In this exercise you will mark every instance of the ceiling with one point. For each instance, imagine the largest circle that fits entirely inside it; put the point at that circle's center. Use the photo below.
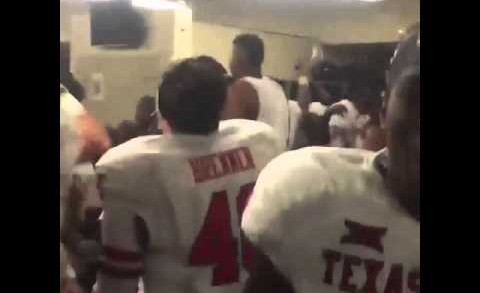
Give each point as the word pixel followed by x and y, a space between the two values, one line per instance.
pixel 328 21
pixel 333 21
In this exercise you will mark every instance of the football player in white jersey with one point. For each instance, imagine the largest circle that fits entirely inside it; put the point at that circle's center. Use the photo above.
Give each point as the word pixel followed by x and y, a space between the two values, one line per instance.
pixel 254 96
pixel 332 85
pixel 345 220
pixel 82 139
pixel 173 202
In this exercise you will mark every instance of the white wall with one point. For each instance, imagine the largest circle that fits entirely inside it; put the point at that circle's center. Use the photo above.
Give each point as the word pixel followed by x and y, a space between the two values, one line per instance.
pixel 128 74
pixel 285 56
pixel 128 77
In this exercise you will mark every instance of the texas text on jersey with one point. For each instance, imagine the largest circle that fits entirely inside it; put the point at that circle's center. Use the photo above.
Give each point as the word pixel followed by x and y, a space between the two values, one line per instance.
pixel 187 193
pixel 333 227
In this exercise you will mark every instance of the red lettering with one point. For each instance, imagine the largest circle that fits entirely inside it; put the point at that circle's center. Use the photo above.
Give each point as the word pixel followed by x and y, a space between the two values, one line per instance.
pixel 331 257
pixel 215 244
pixel 203 168
pixel 248 159
pixel 373 268
pixel 414 281
pixel 206 168
pixel 225 166
pixel 233 162
pixel 394 281
pixel 348 262
pixel 197 170
pixel 360 234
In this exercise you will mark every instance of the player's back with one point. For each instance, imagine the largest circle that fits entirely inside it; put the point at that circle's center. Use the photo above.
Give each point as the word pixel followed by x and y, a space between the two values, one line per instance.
pixel 334 226
pixel 190 191
pixel 273 105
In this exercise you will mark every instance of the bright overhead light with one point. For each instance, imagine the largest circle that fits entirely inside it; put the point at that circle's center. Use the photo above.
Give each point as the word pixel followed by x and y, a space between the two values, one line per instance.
pixel 159 4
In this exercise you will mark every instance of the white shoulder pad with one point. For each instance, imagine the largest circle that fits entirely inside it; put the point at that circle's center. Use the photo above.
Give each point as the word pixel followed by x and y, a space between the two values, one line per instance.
pixel 290 183
pixel 126 152
pixel 256 131
pixel 122 169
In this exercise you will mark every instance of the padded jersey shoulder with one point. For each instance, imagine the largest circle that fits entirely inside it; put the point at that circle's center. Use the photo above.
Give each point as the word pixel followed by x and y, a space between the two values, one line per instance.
pixel 244 129
pixel 124 169
pixel 130 151
pixel 297 179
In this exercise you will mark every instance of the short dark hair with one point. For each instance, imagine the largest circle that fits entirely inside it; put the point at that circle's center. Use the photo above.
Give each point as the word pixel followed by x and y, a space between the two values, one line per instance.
pixel 253 46
pixel 191 97
pixel 210 61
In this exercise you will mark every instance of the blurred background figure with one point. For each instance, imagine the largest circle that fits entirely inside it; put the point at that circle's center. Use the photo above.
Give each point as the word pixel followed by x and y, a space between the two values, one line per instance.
pixel 145 123
pixel 70 148
pixel 365 88
pixel 83 140
pixel 327 84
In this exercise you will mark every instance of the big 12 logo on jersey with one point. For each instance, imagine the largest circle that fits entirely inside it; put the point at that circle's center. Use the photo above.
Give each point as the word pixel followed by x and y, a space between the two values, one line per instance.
pixel 399 276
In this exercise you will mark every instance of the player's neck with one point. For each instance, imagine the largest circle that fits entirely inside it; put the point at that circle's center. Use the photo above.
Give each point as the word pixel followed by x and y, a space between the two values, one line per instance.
pixel 254 72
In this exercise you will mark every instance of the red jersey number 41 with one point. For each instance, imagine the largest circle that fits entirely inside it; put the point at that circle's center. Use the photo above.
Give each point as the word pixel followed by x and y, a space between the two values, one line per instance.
pixel 215 244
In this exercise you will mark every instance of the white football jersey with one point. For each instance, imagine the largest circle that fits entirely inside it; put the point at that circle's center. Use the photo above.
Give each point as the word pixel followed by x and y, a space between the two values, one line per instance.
pixel 70 145
pixel 273 105
pixel 325 219
pixel 295 113
pixel 190 192
pixel 350 125
pixel 70 142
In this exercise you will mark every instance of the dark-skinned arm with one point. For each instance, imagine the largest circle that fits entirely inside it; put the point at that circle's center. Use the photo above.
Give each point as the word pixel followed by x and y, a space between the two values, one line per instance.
pixel 241 102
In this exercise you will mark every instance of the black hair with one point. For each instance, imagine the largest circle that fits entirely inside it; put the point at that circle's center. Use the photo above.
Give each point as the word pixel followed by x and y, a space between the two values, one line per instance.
pixel 210 61
pixel 253 47
pixel 191 97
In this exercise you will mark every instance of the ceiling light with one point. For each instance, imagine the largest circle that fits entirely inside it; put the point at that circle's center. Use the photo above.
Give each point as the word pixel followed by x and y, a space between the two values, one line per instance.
pixel 159 4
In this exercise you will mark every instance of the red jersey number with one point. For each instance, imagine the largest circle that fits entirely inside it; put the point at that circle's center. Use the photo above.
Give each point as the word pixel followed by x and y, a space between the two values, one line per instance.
pixel 215 244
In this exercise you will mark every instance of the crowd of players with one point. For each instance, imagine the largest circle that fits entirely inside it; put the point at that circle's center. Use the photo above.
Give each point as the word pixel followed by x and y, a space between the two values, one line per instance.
pixel 232 187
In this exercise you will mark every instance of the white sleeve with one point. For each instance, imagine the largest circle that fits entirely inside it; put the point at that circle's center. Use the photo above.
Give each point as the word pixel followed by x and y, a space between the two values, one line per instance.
pixel 123 262
pixel 262 220
pixel 317 108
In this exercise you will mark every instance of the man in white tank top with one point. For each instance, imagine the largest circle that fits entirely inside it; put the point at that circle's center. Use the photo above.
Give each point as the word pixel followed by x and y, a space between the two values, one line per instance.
pixel 254 96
